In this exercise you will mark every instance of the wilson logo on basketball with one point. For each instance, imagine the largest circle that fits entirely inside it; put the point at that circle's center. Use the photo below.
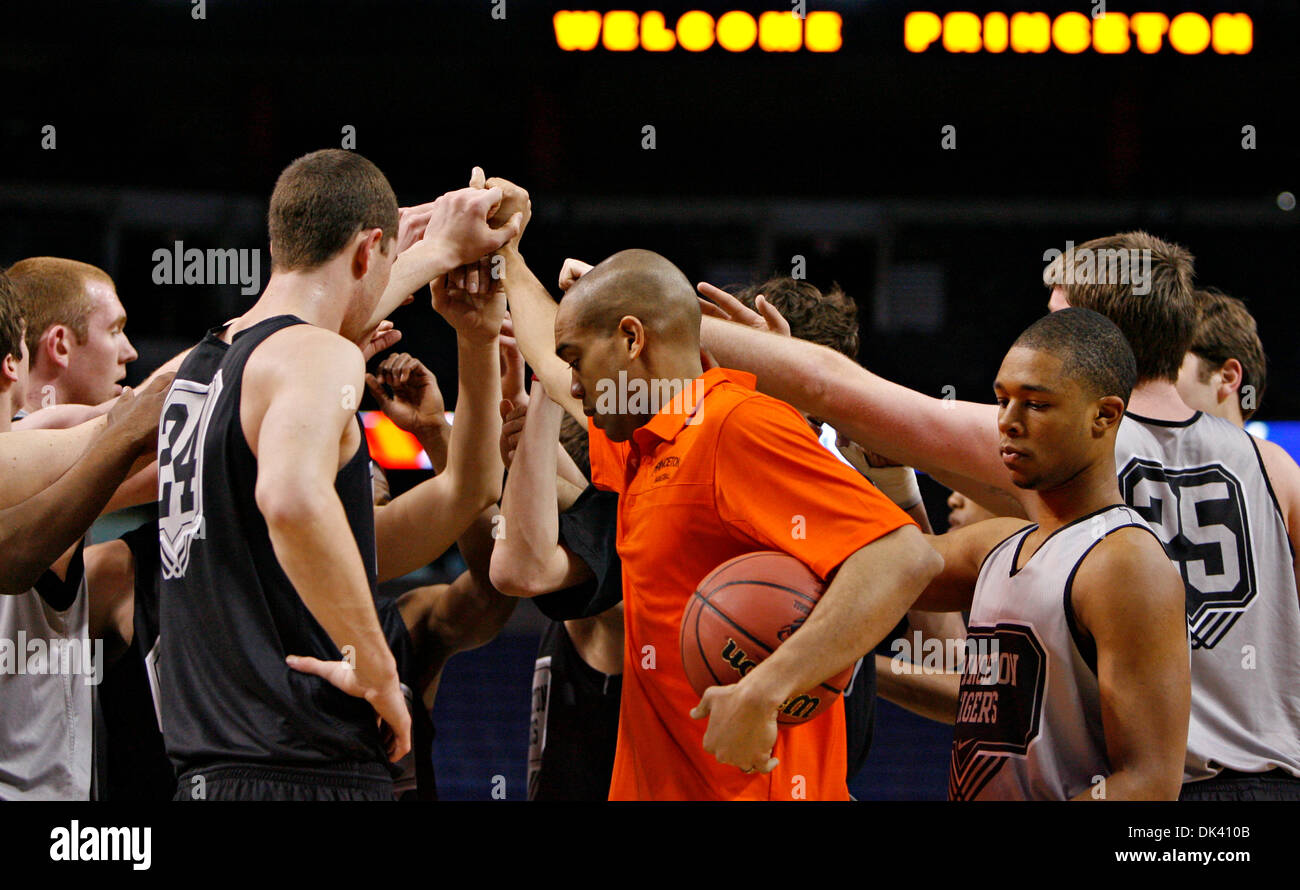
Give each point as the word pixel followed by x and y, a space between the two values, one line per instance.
pixel 735 656
pixel 796 706
pixel 799 705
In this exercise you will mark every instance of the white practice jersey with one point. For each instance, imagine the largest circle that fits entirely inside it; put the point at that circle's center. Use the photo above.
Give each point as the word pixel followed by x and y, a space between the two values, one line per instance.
pixel 46 678
pixel 1029 712
pixel 1201 486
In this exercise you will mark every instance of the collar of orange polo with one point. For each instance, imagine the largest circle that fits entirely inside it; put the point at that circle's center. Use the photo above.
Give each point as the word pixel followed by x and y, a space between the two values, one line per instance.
pixel 677 414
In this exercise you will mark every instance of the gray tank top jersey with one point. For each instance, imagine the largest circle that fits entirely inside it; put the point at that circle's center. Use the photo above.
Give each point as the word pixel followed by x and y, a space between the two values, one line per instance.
pixel 1201 485
pixel 1029 714
pixel 46 678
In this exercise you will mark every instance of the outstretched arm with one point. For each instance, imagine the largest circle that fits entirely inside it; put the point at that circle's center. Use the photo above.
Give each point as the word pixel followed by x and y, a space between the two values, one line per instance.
pixel 963 551
pixel 453 231
pixel 416 527
pixel 954 441
pixel 531 306
pixel 533 312
pixel 35 532
pixel 444 619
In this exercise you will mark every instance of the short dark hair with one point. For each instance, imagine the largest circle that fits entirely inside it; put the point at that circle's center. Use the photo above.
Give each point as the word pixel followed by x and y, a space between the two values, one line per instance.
pixel 1093 350
pixel 827 318
pixel 320 201
pixel 1226 329
pixel 11 319
pixel 1159 325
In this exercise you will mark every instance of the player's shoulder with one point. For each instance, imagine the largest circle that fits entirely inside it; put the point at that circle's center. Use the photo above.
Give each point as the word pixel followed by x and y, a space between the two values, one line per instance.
pixel 736 409
pixel 1128 561
pixel 295 336
pixel 303 354
pixel 1278 463
pixel 1281 473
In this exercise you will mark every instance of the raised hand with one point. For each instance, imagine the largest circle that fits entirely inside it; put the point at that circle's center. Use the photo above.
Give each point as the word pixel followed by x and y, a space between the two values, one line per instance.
pixel 512 364
pixel 408 393
pixel 411 224
pixel 571 271
pixel 135 414
pixel 514 199
pixel 726 307
pixel 381 338
pixel 457 231
pixel 472 301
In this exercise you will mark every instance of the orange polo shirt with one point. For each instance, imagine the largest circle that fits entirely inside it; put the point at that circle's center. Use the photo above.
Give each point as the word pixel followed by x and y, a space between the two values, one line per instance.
pixel 728 472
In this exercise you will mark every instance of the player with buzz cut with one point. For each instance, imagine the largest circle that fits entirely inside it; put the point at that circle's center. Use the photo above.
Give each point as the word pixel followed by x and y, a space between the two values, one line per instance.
pixel 53 484
pixel 77 331
pixel 1226 507
pixel 1076 683
pixel 275 676
pixel 746 471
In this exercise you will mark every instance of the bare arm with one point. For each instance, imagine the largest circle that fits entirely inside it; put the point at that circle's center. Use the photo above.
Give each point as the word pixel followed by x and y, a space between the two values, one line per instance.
pixel 956 442
pixel 963 551
pixel 1284 476
pixel 930 695
pixel 110 584
pixel 444 619
pixel 1130 599
pixel 296 378
pixel 415 528
pixel 37 531
pixel 455 231
pixel 31 460
pixel 533 312
pixel 528 560
pixel 870 593
pixel 61 417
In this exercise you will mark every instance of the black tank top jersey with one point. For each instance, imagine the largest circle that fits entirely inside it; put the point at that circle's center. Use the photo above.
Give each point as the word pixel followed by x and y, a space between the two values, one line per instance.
pixel 575 723
pixel 228 615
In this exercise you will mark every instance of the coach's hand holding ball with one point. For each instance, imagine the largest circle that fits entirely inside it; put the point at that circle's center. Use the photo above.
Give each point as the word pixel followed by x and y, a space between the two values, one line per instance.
pixel 742 723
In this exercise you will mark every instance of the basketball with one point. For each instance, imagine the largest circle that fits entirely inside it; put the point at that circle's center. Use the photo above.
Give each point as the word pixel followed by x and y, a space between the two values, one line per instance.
pixel 740 613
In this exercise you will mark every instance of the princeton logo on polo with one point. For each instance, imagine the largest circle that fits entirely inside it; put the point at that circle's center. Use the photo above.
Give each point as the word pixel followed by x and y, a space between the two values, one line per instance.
pixel 672 461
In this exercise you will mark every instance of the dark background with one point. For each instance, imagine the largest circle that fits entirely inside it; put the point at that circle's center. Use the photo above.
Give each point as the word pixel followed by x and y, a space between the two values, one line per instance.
pixel 172 129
